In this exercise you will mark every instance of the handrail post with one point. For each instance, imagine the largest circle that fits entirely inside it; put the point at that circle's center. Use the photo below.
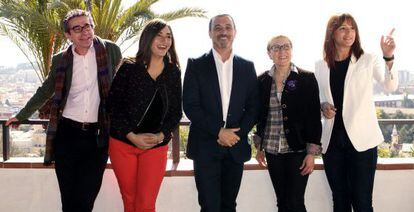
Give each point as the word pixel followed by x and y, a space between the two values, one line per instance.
pixel 176 145
pixel 6 142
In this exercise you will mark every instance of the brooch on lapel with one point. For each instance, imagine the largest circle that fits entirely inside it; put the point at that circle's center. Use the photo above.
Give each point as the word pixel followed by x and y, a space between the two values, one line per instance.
pixel 291 85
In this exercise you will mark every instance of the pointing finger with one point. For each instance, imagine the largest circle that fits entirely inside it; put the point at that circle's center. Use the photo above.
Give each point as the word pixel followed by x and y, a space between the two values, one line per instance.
pixel 392 31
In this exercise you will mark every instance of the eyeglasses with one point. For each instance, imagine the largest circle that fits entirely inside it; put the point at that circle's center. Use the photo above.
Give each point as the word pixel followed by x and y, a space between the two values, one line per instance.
pixel 278 48
pixel 79 29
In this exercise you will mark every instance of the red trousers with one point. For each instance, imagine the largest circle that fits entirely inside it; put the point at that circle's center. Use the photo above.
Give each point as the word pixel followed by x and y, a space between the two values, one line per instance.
pixel 139 174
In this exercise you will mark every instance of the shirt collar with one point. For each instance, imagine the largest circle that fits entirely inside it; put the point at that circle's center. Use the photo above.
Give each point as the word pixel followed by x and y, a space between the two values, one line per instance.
pixel 292 69
pixel 91 49
pixel 217 56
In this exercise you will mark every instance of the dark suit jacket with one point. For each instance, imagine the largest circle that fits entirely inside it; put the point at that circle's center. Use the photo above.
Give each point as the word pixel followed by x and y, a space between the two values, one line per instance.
pixel 300 108
pixel 202 105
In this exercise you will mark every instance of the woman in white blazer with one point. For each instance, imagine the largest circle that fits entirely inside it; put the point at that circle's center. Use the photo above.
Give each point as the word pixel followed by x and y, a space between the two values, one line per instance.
pixel 350 132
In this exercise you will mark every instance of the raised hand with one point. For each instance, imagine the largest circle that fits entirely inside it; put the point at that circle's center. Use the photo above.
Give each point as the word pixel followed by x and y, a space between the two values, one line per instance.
pixel 388 44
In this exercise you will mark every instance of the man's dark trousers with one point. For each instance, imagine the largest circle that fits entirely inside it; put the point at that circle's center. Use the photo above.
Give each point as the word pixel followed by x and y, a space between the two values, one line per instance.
pixel 79 166
pixel 218 182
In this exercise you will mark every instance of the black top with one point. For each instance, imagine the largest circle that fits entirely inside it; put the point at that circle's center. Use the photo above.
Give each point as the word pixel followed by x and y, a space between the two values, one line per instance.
pixel 130 96
pixel 337 83
pixel 153 117
pixel 300 108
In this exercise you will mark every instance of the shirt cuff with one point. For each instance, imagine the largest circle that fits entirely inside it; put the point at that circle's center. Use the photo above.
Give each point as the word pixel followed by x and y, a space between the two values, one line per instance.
pixel 257 141
pixel 313 149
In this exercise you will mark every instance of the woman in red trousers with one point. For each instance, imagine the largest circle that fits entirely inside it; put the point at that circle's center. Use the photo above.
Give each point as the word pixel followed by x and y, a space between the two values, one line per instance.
pixel 144 107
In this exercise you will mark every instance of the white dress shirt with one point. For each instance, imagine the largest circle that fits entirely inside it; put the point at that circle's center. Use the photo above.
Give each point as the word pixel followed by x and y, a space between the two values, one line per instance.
pixel 83 99
pixel 358 112
pixel 225 78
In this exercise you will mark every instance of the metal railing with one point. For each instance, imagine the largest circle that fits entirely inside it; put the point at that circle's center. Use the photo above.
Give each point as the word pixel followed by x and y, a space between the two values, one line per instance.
pixel 175 152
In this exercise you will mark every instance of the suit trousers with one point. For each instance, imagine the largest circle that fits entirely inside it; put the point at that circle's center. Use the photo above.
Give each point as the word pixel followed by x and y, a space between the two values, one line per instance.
pixel 218 182
pixel 287 181
pixel 139 174
pixel 79 166
pixel 350 174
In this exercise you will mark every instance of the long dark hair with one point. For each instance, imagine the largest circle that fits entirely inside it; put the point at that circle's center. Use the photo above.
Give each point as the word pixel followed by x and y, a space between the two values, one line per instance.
pixel 329 48
pixel 151 29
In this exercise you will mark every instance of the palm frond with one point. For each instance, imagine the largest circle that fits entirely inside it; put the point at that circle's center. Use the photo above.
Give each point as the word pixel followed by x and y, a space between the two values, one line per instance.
pixel 35 25
pixel 183 13
pixel 15 38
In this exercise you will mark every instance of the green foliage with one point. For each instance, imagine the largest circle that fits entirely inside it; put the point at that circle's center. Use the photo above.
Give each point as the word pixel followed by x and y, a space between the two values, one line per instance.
pixel 41 152
pixel 120 25
pixel 34 26
pixel 405 131
pixel 183 138
pixel 384 152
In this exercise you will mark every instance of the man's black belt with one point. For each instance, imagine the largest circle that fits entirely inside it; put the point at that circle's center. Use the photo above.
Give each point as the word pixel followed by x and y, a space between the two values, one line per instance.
pixel 85 126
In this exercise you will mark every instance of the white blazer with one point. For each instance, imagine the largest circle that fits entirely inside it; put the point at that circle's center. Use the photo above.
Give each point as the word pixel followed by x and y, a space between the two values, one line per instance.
pixel 358 112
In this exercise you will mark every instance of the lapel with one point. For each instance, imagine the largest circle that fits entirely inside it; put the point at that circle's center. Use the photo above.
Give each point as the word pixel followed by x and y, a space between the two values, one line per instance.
pixel 327 82
pixel 235 83
pixel 349 72
pixel 212 79
pixel 325 75
pixel 293 77
pixel 69 74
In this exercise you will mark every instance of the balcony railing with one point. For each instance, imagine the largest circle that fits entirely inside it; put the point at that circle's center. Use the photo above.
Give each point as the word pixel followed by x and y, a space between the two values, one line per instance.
pixel 6 144
pixel 175 144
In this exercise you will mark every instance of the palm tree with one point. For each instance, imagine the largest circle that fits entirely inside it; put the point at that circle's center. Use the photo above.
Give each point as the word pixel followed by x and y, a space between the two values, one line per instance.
pixel 35 25
pixel 34 29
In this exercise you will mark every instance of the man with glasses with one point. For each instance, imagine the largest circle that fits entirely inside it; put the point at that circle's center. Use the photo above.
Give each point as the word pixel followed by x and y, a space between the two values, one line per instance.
pixel 77 135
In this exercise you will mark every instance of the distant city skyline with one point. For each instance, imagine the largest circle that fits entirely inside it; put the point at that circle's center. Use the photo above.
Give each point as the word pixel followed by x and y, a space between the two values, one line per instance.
pixel 303 21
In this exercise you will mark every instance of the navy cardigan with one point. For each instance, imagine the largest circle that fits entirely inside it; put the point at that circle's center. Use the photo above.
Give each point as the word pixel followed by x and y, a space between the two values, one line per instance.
pixel 300 108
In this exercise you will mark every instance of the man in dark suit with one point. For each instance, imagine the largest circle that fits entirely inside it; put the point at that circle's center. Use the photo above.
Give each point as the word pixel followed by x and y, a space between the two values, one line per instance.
pixel 219 98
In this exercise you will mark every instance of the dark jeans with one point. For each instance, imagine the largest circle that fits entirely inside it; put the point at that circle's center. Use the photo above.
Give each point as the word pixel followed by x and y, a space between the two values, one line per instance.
pixel 350 174
pixel 287 181
pixel 218 182
pixel 79 167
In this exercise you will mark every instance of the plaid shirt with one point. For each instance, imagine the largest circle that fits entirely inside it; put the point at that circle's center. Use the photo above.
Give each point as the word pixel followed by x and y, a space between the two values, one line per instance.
pixel 274 139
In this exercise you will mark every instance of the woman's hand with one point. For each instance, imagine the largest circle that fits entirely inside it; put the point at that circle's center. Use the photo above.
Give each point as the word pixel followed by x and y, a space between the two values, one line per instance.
pixel 328 110
pixel 307 165
pixel 143 140
pixel 160 137
pixel 260 157
pixel 388 44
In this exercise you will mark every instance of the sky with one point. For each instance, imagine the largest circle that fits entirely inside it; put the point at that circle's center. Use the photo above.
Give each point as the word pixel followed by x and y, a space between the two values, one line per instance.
pixel 303 21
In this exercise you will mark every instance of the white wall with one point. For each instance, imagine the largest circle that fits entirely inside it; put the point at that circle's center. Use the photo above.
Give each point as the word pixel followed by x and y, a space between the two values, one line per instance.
pixel 35 190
